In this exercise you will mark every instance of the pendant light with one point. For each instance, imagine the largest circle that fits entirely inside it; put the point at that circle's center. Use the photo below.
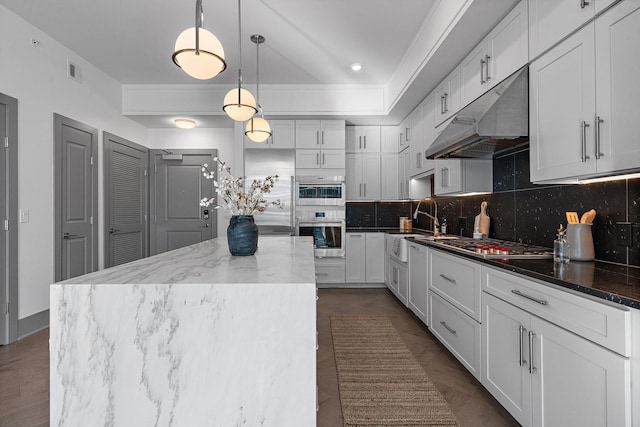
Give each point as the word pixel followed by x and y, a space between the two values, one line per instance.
pixel 258 129
pixel 239 104
pixel 198 52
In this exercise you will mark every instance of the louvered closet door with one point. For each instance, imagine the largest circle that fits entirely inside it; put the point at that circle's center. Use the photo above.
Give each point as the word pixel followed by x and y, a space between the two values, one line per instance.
pixel 126 198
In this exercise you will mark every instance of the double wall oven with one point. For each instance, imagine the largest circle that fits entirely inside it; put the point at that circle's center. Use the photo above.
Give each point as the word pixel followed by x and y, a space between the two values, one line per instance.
pixel 320 213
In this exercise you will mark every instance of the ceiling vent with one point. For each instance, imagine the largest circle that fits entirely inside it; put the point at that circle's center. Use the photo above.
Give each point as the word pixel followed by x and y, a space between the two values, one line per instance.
pixel 74 72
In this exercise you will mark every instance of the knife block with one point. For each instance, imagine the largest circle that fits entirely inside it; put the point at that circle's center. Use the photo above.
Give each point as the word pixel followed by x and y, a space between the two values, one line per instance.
pixel 580 242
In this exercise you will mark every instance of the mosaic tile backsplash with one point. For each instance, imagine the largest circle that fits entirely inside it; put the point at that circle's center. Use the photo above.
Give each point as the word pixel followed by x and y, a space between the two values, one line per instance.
pixel 525 212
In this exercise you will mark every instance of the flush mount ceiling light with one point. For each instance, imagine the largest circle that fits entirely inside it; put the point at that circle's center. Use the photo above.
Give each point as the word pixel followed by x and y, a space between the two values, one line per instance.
pixel 258 129
pixel 356 66
pixel 185 123
pixel 198 52
pixel 239 103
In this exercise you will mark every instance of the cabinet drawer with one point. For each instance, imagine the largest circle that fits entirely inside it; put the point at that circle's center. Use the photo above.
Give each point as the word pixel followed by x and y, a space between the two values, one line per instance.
pixel 330 271
pixel 457 280
pixel 598 322
pixel 457 331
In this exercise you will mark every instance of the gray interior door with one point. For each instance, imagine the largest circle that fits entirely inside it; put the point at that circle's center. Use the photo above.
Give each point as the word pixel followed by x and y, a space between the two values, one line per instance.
pixel 8 219
pixel 126 200
pixel 76 198
pixel 177 186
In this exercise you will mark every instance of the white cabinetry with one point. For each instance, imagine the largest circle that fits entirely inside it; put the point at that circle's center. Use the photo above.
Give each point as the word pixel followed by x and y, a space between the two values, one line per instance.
pixel 594 64
pixel 363 176
pixel 456 176
pixel 418 276
pixel 365 257
pixel 416 140
pixel 389 139
pixel 320 159
pixel 551 21
pixel 502 52
pixel 403 140
pixel 398 280
pixel 389 178
pixel 320 134
pixel 448 96
pixel 404 161
pixel 330 270
pixel 283 135
pixel 363 139
pixel 549 372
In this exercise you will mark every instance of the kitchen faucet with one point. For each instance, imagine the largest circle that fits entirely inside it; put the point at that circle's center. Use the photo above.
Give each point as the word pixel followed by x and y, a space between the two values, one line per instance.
pixel 436 223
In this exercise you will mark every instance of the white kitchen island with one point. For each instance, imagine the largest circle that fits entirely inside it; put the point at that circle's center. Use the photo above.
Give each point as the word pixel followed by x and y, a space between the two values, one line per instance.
pixel 191 337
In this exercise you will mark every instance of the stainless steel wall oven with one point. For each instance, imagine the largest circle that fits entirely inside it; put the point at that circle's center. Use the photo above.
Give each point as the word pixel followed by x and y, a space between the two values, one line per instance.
pixel 328 230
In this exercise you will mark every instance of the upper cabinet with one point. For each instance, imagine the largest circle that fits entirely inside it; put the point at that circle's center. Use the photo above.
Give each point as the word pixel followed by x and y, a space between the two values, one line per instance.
pixel 320 134
pixel 448 96
pixel 460 176
pixel 584 101
pixel 404 134
pixel 389 139
pixel 283 135
pixel 363 139
pixel 501 53
pixel 551 21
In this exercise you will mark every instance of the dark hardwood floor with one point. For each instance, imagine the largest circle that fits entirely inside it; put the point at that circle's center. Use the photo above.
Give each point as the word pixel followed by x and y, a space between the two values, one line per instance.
pixel 24 367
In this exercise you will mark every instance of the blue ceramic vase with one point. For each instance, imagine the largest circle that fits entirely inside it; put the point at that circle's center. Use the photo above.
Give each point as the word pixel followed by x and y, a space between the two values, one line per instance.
pixel 242 235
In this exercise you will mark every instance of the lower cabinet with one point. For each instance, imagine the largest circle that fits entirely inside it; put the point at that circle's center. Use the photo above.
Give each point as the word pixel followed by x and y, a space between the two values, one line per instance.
pixel 547 376
pixel 398 280
pixel 365 258
pixel 457 331
pixel 330 270
pixel 418 276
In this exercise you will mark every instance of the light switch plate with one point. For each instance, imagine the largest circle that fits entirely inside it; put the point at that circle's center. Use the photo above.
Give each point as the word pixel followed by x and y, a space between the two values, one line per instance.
pixel 24 215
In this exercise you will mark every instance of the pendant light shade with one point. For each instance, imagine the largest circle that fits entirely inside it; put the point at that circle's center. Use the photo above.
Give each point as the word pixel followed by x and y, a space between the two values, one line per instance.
pixel 204 63
pixel 239 107
pixel 258 129
pixel 239 103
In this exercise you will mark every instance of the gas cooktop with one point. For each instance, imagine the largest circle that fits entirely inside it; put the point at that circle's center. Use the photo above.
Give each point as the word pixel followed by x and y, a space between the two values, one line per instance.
pixel 491 248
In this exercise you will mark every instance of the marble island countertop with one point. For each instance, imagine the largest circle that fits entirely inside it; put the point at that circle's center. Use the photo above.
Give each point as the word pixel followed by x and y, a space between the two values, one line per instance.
pixel 190 337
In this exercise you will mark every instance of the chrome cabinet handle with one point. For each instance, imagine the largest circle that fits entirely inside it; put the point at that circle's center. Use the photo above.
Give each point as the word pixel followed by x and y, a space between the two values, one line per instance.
pixel 360 189
pixel 360 141
pixel 583 4
pixel 406 134
pixel 453 331
pixel 317 137
pixel 441 104
pixel 584 126
pixel 365 189
pixel 364 139
pixel 597 130
pixel 322 140
pixel 482 79
pixel 486 64
pixel 532 368
pixel 321 274
pixel 521 329
pixel 317 158
pixel 323 158
pixel 448 279
pixel 529 297
pixel 446 96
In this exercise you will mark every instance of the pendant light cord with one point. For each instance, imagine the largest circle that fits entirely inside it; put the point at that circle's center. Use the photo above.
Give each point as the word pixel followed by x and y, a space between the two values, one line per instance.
pixel 199 24
pixel 258 74
pixel 239 51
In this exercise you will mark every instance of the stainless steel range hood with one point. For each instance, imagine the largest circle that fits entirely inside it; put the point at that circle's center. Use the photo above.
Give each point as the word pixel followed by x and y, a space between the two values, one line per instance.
pixel 495 122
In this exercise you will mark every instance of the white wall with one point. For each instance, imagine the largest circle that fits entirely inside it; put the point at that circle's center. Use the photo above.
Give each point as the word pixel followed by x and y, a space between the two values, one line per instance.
pixel 36 76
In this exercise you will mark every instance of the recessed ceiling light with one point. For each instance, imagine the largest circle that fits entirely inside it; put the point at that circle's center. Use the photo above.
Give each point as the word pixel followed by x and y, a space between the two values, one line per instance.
pixel 185 123
pixel 356 66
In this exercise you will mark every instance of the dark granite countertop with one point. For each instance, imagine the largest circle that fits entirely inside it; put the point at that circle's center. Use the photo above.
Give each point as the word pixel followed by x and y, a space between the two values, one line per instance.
pixel 390 230
pixel 612 282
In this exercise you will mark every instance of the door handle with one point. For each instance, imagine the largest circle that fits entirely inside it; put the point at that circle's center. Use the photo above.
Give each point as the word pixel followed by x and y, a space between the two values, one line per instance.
pixel 486 64
pixel 584 126
pixel 446 108
pixel 482 80
pixel 532 368
pixel 448 279
pixel 206 225
pixel 69 236
pixel 448 328
pixel 597 130
pixel 521 330
pixel 113 230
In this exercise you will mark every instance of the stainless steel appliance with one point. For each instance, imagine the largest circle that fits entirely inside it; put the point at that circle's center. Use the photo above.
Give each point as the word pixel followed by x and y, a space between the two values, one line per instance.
pixel 495 122
pixel 328 229
pixel 260 163
pixel 320 191
pixel 491 248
